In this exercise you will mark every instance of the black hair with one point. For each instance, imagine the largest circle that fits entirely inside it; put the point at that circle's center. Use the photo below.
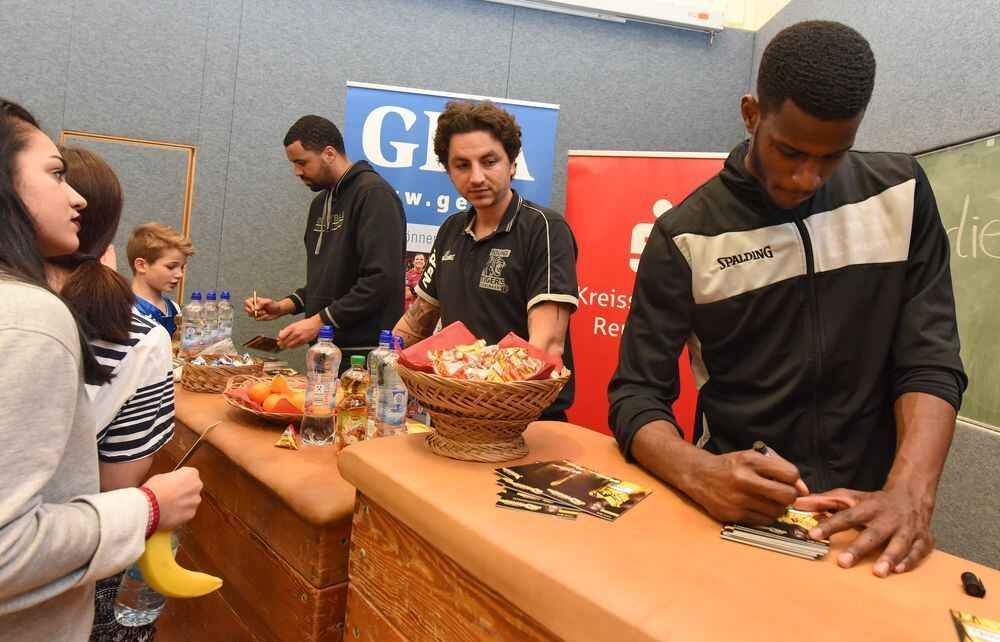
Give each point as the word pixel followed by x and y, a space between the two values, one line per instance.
pixel 826 68
pixel 20 254
pixel 316 134
pixel 465 116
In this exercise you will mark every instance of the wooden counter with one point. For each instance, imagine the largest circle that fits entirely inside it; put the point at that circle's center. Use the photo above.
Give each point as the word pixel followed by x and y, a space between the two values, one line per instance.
pixel 273 523
pixel 432 558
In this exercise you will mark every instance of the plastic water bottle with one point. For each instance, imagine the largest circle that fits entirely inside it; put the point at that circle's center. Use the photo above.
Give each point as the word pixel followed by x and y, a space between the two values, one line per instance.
pixel 390 418
pixel 225 317
pixel 352 413
pixel 375 359
pixel 137 604
pixel 193 322
pixel 211 313
pixel 319 422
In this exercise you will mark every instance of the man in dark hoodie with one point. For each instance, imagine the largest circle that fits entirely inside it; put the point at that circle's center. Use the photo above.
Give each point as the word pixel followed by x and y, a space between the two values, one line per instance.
pixel 811 284
pixel 355 245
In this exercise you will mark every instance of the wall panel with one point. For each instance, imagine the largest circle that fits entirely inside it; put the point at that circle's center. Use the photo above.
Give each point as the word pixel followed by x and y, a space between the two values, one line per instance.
pixel 34 41
pixel 136 68
pixel 936 81
pixel 631 86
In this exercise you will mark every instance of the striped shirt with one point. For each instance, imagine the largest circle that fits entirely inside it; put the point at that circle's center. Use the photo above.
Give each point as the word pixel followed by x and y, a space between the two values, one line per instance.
pixel 135 411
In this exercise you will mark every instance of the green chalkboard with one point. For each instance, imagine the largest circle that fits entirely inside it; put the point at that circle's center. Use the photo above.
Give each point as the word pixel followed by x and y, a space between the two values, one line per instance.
pixel 966 182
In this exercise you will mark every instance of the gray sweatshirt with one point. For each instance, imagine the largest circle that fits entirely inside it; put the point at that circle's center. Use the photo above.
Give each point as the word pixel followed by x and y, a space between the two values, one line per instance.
pixel 58 533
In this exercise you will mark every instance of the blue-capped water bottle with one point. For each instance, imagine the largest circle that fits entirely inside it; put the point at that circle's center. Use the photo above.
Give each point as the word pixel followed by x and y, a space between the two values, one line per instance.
pixel 225 316
pixel 137 604
pixel 374 364
pixel 319 419
pixel 193 322
pixel 390 418
pixel 211 313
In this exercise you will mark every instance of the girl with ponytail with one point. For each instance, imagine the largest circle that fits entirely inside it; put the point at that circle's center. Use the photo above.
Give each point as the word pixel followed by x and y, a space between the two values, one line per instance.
pixel 135 408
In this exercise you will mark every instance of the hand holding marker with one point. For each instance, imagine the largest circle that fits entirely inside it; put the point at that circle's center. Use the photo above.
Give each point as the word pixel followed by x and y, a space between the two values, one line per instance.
pixel 760 447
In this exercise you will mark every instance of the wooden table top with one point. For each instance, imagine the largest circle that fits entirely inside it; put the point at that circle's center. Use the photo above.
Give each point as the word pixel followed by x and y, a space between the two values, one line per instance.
pixel 659 572
pixel 307 479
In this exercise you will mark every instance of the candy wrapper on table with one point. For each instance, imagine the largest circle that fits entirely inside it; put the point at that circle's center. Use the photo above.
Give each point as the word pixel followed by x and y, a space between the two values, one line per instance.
pixel 483 417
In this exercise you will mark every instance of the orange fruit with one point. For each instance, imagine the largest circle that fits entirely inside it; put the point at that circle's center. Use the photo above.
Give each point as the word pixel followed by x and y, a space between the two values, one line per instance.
pixel 272 401
pixel 259 391
pixel 298 400
pixel 280 385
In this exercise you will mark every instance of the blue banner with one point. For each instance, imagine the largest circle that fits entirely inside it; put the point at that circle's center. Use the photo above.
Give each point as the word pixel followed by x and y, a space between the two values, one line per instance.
pixel 393 129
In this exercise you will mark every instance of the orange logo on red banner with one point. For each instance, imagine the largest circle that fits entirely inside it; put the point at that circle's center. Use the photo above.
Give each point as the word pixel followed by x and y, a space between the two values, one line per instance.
pixel 611 204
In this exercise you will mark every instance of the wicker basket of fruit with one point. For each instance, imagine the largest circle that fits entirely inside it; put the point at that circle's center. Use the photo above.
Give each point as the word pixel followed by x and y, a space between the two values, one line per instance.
pixel 275 399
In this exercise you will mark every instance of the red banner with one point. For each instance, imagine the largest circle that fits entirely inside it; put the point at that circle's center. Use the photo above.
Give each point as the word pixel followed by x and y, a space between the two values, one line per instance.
pixel 612 200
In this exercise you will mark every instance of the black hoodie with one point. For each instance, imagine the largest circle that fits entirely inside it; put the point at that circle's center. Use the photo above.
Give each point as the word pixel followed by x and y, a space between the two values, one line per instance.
pixel 803 325
pixel 354 258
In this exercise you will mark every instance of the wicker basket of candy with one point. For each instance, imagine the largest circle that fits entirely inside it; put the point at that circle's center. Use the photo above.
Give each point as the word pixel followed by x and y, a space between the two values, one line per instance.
pixel 210 372
pixel 481 398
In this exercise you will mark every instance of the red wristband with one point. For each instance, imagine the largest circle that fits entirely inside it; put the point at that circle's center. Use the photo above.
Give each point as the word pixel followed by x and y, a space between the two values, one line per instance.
pixel 154 512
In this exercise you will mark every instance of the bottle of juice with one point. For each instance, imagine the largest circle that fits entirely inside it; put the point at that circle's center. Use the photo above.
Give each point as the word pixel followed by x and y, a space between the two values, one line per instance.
pixel 352 412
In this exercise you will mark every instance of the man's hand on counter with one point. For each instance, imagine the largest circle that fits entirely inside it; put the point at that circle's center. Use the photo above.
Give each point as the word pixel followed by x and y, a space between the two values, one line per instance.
pixel 743 486
pixel 300 332
pixel 893 517
pixel 267 309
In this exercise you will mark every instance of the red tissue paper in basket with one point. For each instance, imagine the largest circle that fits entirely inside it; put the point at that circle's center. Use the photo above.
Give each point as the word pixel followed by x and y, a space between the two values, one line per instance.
pixel 415 357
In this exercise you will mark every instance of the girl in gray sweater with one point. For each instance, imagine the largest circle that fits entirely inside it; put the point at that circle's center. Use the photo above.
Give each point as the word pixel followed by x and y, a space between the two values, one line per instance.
pixel 58 533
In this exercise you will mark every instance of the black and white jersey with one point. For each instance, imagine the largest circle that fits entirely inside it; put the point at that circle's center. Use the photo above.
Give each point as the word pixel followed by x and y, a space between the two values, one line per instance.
pixel 490 284
pixel 803 325
pixel 135 411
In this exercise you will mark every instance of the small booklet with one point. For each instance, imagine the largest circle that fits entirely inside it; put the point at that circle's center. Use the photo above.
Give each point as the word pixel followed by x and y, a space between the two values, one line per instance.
pixel 972 628
pixel 523 502
pixel 572 486
pixel 265 344
pixel 789 534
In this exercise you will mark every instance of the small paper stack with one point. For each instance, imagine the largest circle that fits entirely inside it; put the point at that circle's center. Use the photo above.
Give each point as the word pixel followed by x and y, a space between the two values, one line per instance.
pixel 564 489
pixel 789 534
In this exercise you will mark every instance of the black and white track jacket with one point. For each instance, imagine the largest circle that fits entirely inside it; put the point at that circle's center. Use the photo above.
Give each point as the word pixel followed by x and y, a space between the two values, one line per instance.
pixel 803 325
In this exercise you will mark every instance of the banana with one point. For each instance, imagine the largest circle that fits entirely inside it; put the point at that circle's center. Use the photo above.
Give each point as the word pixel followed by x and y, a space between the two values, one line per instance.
pixel 162 572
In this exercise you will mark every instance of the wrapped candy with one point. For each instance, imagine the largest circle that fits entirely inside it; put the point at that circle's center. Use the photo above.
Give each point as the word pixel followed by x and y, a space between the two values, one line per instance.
pixel 480 362
pixel 287 439
pixel 199 361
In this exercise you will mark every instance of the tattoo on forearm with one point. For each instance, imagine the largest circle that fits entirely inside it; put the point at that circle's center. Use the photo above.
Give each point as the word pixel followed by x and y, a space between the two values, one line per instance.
pixel 422 317
pixel 408 337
